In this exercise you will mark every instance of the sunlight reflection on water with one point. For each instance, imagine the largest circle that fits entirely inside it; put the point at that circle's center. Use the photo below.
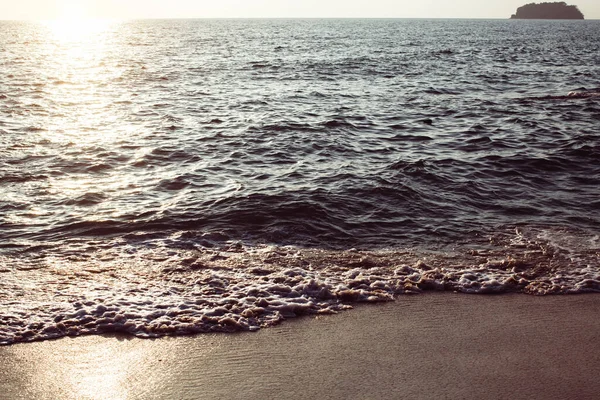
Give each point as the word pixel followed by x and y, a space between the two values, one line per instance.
pixel 81 31
pixel 76 54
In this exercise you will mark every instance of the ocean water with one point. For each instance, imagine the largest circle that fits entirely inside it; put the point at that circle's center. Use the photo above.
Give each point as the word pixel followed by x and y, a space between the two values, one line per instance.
pixel 174 177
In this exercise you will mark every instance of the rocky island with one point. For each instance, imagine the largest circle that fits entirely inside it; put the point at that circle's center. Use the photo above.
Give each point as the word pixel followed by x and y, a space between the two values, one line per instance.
pixel 556 10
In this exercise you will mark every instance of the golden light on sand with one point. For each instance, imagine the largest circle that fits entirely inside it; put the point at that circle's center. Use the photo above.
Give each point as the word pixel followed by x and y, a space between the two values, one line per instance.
pixel 89 369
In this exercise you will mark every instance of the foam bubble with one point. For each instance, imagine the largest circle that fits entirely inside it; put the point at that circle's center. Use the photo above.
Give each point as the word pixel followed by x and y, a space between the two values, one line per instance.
pixel 239 288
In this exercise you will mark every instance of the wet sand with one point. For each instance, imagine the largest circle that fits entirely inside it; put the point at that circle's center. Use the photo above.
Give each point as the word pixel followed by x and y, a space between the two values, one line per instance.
pixel 420 347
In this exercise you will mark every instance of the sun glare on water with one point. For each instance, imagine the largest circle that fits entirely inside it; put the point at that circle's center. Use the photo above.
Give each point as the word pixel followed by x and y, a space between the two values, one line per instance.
pixel 74 23
pixel 78 70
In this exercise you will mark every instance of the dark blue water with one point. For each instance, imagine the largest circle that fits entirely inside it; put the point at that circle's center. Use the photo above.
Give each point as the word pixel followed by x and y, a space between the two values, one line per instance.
pixel 166 177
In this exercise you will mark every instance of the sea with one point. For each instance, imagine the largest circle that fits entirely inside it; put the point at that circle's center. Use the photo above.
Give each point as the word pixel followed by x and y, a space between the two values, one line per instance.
pixel 171 177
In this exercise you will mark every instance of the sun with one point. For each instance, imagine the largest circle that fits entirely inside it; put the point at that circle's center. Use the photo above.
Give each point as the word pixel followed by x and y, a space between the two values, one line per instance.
pixel 74 22
pixel 73 11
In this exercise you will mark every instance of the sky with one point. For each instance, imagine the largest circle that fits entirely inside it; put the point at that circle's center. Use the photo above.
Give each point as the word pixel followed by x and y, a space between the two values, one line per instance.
pixel 139 9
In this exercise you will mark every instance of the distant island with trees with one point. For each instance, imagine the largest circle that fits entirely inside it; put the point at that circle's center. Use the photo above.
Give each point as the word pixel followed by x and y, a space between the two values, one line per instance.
pixel 556 10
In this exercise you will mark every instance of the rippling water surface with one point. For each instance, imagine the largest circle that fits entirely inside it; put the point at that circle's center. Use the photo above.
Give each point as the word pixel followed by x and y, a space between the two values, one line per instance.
pixel 170 177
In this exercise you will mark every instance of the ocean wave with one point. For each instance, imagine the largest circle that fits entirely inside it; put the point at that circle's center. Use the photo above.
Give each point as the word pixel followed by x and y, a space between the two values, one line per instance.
pixel 156 291
pixel 216 179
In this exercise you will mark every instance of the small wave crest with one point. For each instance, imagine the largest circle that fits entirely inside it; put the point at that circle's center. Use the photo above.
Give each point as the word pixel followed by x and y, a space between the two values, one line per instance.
pixel 152 290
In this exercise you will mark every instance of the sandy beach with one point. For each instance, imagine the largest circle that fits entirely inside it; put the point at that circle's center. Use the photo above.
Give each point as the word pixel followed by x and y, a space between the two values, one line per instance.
pixel 426 346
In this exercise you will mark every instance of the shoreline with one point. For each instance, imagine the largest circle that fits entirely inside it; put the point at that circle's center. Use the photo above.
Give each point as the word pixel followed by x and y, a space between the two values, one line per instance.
pixel 433 345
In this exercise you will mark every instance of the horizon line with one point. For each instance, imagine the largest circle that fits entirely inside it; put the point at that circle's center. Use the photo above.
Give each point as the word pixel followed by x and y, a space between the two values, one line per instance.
pixel 294 18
